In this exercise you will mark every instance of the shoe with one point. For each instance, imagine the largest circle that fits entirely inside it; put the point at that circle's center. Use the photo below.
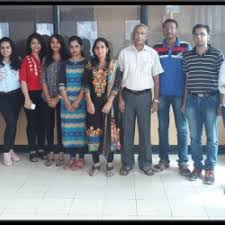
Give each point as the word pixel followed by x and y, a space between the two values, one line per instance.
pixel 94 170
pixel 69 163
pixel 7 161
pixel 184 170
pixel 161 166
pixel 49 162
pixel 59 162
pixel 78 164
pixel 41 154
pixel 209 177
pixel 124 171
pixel 195 174
pixel 148 171
pixel 109 171
pixel 34 157
pixel 14 156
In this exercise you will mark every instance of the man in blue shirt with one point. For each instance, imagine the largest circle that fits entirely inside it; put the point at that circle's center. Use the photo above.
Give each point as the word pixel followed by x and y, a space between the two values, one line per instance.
pixel 172 84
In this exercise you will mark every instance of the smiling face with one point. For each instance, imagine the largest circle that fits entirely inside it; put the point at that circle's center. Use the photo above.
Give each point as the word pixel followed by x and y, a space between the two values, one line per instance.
pixel 75 49
pixel 35 46
pixel 6 49
pixel 55 45
pixel 101 50
pixel 170 30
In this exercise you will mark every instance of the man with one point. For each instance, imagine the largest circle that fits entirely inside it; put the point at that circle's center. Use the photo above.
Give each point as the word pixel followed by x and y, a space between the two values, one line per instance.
pixel 202 101
pixel 172 83
pixel 141 68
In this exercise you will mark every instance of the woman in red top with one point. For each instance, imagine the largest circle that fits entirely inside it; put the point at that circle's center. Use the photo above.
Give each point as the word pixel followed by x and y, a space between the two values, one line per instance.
pixel 30 77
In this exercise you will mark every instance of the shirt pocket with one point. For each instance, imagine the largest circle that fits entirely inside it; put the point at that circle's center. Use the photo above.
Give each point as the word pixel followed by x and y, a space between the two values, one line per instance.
pixel 146 66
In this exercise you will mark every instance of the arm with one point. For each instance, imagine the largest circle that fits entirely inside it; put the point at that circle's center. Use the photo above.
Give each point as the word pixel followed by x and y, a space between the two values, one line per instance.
pixel 155 102
pixel 28 102
pixel 183 108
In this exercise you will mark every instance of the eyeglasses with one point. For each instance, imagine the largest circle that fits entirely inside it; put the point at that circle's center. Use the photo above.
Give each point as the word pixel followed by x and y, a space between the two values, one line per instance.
pixel 200 34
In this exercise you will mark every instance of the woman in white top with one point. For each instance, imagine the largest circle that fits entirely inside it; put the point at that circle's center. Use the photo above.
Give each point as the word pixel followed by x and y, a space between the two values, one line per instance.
pixel 222 90
pixel 10 97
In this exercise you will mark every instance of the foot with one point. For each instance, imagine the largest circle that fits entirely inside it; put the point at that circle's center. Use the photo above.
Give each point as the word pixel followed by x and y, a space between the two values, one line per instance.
pixel 14 156
pixel 68 164
pixel 195 174
pixel 124 171
pixel 148 171
pixel 209 177
pixel 34 157
pixel 78 165
pixel 161 166
pixel 109 171
pixel 184 170
pixel 94 170
pixel 7 161
pixel 41 154
pixel 59 162
pixel 49 162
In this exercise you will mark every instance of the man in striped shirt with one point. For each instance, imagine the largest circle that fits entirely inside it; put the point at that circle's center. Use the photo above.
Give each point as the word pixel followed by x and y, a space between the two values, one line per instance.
pixel 171 91
pixel 201 101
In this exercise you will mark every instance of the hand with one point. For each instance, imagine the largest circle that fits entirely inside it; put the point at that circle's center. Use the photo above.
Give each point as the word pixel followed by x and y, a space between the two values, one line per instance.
pixel 183 108
pixel 121 104
pixel 69 106
pixel 52 102
pixel 75 104
pixel 106 108
pixel 27 103
pixel 219 111
pixel 90 108
pixel 154 107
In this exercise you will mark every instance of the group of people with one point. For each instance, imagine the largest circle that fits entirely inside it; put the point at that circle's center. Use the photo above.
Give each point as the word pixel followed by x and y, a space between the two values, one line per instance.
pixel 98 100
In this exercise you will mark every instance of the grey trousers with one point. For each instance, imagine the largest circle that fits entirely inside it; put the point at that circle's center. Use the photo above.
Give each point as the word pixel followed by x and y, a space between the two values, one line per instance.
pixel 136 106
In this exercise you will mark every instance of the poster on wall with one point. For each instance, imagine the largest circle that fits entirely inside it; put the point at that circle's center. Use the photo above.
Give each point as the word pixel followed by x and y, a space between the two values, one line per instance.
pixel 129 26
pixel 4 30
pixel 88 31
pixel 44 28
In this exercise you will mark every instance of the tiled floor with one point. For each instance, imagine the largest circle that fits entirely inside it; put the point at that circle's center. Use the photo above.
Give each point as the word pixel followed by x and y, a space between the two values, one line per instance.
pixel 34 192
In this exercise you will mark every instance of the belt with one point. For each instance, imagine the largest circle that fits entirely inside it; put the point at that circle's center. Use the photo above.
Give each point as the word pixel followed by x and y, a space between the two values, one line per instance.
pixel 10 92
pixel 206 94
pixel 136 92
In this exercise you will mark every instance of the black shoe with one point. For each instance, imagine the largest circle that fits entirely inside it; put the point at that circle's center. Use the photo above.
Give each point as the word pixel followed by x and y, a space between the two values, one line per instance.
pixel 41 154
pixel 161 166
pixel 34 157
pixel 195 174
pixel 94 170
pixel 209 177
pixel 184 171
pixel 148 171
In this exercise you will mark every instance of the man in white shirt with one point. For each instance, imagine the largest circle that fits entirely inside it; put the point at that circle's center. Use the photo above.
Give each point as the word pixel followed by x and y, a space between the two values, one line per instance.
pixel 222 90
pixel 141 67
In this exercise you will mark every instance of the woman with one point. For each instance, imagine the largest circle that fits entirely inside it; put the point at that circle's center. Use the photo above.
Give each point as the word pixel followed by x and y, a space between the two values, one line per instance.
pixel 10 97
pixel 49 76
pixel 73 113
pixel 101 84
pixel 30 77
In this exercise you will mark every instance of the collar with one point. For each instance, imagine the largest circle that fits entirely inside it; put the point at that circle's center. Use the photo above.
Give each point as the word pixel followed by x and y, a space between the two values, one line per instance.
pixel 207 52
pixel 144 49
pixel 177 43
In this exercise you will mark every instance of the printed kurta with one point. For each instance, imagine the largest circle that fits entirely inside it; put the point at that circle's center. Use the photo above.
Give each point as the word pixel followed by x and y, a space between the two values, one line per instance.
pixel 73 123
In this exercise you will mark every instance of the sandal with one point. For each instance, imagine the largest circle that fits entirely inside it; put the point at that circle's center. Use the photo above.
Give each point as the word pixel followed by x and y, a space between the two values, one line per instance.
pixel 148 171
pixel 69 164
pixel 94 170
pixel 49 162
pixel 34 157
pixel 59 162
pixel 109 171
pixel 124 171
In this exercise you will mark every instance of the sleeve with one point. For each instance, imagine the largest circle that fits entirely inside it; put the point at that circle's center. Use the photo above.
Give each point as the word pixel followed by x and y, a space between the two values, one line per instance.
pixel 121 61
pixel 86 78
pixel 43 73
pixel 117 82
pixel 156 68
pixel 185 67
pixel 23 71
pixel 62 77
pixel 220 60
pixel 222 78
pixel 189 47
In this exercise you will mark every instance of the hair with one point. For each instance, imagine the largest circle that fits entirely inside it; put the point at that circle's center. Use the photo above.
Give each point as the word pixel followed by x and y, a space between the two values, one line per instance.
pixel 42 42
pixel 169 21
pixel 14 59
pixel 197 26
pixel 78 40
pixel 94 59
pixel 63 49
pixel 135 30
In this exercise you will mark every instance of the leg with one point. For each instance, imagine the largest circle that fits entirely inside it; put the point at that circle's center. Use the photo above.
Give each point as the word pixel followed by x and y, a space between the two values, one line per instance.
pixel 96 167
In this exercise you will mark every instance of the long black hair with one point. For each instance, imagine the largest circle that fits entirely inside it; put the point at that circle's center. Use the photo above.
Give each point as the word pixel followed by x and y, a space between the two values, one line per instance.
pixel 42 42
pixel 78 40
pixel 94 59
pixel 63 49
pixel 14 59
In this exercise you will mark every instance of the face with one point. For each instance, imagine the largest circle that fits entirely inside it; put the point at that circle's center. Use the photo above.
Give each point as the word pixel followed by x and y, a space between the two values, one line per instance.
pixel 170 30
pixel 75 48
pixel 6 49
pixel 200 37
pixel 55 45
pixel 101 50
pixel 35 45
pixel 140 36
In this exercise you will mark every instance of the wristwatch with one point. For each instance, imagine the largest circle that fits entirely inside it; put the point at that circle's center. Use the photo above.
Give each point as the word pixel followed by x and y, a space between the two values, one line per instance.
pixel 156 100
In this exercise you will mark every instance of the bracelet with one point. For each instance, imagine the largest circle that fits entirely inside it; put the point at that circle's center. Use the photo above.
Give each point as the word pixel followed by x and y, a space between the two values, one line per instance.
pixel 156 100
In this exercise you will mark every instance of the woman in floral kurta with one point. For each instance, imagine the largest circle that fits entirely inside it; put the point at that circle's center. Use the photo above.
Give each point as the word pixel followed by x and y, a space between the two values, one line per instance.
pixel 101 82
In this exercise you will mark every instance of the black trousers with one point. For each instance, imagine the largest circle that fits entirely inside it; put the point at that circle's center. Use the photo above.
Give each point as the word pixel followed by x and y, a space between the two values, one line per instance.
pixel 95 157
pixel 10 105
pixel 35 122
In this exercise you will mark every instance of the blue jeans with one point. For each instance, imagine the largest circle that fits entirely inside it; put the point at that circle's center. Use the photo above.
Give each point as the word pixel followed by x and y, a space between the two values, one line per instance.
pixel 203 110
pixel 181 125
